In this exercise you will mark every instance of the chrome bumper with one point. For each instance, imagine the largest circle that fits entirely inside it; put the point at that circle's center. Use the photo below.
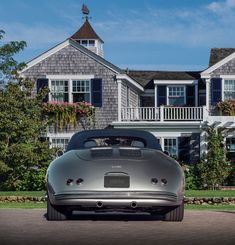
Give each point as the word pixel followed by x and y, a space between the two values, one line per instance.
pixel 116 199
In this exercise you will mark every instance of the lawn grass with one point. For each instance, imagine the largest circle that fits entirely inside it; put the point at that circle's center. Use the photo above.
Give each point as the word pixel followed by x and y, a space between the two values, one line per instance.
pixel 219 207
pixel 27 205
pixel 208 193
pixel 23 193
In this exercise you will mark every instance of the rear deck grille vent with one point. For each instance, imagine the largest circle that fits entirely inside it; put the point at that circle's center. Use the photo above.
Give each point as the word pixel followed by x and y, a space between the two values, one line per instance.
pixel 129 153
pixel 101 153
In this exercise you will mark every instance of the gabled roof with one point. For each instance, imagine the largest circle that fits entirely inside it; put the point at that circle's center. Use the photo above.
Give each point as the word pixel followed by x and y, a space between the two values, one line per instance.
pixel 218 54
pixel 76 45
pixel 218 57
pixel 146 78
pixel 86 32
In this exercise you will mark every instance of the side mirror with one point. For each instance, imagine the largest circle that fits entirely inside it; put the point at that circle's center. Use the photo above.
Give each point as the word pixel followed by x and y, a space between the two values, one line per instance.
pixel 166 152
pixel 59 153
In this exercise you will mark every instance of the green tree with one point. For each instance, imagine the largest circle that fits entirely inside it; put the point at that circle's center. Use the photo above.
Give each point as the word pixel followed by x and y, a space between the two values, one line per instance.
pixel 8 65
pixel 24 152
pixel 214 168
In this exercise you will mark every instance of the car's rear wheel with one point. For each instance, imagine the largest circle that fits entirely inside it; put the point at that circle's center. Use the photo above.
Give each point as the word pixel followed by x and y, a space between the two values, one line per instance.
pixel 56 212
pixel 176 214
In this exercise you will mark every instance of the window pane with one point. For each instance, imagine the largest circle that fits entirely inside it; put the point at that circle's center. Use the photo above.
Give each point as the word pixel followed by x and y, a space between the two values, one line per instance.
pixel 230 144
pixel 84 42
pixel 229 89
pixel 91 42
pixel 81 90
pixel 176 101
pixel 170 145
pixel 60 143
pixel 59 90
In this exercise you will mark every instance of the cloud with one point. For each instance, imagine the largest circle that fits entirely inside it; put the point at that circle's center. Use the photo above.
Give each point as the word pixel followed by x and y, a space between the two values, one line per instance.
pixel 189 26
pixel 218 7
pixel 36 35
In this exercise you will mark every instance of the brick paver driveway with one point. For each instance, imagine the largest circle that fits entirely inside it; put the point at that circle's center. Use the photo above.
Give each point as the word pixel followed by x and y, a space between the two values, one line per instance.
pixel 199 227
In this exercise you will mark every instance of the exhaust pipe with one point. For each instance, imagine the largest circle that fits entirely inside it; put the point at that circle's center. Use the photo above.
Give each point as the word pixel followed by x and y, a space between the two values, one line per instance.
pixel 134 204
pixel 99 204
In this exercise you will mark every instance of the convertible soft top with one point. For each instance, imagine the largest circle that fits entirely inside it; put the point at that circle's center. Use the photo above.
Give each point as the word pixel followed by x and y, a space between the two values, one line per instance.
pixel 78 139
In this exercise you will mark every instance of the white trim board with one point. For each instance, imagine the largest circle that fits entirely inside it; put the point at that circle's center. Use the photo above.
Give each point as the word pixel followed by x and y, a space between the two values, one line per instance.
pixel 206 73
pixel 130 80
pixel 175 82
pixel 68 76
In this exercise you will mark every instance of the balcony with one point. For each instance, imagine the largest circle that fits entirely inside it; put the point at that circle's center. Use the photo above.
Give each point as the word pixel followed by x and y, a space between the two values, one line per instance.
pixel 162 114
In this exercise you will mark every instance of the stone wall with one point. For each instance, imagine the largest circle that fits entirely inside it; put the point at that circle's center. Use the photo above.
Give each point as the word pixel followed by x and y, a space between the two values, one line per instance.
pixel 209 200
pixel 188 200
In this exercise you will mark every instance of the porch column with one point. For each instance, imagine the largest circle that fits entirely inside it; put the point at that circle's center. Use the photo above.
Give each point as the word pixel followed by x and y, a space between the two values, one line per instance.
pixel 155 95
pixel 196 94
pixel 208 93
pixel 119 82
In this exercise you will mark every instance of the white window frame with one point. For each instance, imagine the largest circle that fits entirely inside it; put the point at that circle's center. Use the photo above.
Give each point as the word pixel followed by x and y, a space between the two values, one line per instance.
pixel 59 138
pixel 62 92
pixel 223 86
pixel 177 144
pixel 72 92
pixel 69 78
pixel 175 86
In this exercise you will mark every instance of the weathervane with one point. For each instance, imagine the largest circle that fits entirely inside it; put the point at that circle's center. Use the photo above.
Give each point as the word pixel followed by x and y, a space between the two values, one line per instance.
pixel 85 12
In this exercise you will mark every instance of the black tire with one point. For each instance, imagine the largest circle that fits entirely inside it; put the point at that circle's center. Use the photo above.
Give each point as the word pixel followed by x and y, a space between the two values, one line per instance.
pixel 55 212
pixel 176 214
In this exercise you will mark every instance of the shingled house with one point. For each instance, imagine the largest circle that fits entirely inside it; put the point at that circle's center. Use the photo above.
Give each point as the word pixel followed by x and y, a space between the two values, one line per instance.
pixel 171 105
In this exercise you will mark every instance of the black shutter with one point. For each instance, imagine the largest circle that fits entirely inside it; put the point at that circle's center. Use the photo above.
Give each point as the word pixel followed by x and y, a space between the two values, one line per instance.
pixel 184 149
pixel 96 92
pixel 216 90
pixel 42 83
pixel 190 96
pixel 161 95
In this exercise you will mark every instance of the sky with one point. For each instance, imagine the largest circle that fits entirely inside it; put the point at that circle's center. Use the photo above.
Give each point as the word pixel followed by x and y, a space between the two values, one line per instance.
pixel 138 34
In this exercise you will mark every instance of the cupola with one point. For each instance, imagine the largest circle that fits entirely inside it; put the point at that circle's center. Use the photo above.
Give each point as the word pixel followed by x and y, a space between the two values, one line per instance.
pixel 87 37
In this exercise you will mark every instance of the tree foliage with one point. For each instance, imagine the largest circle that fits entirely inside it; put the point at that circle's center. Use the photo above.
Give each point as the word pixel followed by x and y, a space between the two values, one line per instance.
pixel 214 168
pixel 8 65
pixel 24 153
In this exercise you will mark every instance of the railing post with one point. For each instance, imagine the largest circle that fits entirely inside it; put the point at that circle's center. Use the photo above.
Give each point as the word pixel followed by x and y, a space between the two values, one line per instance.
pixel 161 113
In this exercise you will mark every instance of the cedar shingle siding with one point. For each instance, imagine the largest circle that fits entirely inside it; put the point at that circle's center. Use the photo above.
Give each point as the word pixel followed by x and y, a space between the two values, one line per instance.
pixel 73 62
pixel 226 69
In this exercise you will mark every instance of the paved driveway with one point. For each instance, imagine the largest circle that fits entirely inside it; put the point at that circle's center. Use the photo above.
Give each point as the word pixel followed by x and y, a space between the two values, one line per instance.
pixel 22 226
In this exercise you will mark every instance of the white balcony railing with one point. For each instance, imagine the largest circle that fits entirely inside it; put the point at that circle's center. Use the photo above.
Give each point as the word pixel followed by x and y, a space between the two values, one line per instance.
pixel 162 114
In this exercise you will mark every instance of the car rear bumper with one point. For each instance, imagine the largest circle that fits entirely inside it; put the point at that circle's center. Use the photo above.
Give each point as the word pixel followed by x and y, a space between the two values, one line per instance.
pixel 116 199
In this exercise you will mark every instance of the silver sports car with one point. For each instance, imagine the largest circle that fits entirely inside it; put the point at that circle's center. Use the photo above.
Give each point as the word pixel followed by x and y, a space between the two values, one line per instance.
pixel 115 170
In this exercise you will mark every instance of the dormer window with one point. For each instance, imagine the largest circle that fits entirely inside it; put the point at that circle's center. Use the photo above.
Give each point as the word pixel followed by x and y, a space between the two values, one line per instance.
pixel 176 95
